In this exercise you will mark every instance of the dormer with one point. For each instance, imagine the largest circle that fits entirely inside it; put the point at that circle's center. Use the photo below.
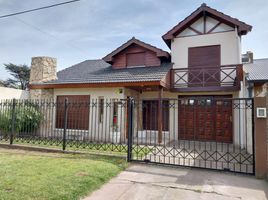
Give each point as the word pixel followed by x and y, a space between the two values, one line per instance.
pixel 135 53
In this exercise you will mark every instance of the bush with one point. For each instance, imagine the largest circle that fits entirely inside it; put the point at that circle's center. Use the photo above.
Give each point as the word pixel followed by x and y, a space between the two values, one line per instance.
pixel 27 119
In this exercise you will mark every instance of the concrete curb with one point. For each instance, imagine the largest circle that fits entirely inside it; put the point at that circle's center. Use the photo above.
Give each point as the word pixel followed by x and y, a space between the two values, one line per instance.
pixel 48 150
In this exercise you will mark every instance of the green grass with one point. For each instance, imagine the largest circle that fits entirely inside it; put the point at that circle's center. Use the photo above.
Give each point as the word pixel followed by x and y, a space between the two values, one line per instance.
pixel 34 175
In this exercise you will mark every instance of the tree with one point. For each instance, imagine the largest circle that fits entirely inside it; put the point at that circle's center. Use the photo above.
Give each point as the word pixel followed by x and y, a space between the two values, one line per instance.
pixel 7 84
pixel 20 74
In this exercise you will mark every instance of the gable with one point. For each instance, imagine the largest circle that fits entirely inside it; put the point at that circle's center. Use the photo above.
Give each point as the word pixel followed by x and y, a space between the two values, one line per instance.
pixel 135 55
pixel 199 18
pixel 205 25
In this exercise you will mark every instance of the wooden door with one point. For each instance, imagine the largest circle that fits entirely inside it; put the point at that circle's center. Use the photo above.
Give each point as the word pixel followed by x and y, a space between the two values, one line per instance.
pixel 204 66
pixel 224 118
pixel 186 119
pixel 78 112
pixel 205 119
pixel 150 113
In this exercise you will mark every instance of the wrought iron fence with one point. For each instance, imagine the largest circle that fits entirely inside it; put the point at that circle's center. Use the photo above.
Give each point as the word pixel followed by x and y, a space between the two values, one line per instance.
pixel 207 132
pixel 94 124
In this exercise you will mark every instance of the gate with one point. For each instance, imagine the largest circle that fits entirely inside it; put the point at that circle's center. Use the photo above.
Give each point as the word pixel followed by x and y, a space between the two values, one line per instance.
pixel 203 132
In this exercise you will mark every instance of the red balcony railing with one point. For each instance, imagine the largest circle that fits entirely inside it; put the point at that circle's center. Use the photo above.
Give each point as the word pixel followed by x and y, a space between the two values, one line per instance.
pixel 221 78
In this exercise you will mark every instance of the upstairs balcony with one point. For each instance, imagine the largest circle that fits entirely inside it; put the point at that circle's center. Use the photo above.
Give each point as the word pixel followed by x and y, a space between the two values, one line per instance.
pixel 223 78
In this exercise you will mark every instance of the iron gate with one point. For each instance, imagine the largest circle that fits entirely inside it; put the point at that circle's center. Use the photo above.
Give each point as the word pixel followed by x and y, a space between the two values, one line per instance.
pixel 209 132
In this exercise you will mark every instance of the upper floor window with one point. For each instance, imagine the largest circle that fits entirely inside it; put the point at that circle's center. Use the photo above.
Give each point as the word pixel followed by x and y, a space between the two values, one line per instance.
pixel 135 59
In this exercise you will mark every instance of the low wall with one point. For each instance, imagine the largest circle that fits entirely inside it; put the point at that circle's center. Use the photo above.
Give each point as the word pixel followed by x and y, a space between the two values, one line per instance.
pixel 10 93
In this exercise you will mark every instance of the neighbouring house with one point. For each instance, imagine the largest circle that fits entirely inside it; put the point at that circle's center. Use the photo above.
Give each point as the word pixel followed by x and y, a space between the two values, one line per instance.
pixel 11 93
pixel 256 74
pixel 204 64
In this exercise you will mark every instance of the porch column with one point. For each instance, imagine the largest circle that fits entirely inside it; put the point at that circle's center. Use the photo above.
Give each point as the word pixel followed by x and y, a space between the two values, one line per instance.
pixel 160 113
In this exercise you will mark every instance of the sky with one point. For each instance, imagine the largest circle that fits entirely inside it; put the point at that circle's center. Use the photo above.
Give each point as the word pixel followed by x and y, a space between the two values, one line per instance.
pixel 90 29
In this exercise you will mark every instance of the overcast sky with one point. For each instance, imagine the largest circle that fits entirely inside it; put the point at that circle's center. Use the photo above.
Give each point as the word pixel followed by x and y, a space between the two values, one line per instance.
pixel 90 29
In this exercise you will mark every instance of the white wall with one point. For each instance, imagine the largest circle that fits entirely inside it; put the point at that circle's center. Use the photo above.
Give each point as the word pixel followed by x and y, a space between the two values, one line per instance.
pixel 107 93
pixel 229 41
pixel 10 93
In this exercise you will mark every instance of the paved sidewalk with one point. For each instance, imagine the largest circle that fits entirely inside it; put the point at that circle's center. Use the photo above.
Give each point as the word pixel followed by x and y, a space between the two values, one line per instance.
pixel 140 182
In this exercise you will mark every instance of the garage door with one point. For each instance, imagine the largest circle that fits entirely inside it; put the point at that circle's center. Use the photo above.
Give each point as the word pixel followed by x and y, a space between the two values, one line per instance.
pixel 205 118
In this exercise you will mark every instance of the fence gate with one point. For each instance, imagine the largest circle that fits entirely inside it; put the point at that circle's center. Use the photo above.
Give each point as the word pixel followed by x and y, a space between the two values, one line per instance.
pixel 211 132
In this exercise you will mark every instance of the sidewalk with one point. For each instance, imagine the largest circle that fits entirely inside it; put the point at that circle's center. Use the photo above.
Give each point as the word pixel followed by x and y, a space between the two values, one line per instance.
pixel 140 182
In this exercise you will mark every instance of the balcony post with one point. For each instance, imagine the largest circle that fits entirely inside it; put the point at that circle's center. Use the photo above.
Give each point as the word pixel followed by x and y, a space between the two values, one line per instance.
pixel 172 74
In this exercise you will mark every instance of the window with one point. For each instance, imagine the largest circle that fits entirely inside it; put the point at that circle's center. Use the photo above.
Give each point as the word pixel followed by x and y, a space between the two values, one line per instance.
pixel 101 109
pixel 77 113
pixel 191 102
pixel 136 59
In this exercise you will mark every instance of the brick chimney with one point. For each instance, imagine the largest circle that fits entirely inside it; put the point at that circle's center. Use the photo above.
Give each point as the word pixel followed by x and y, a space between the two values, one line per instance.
pixel 247 57
pixel 43 69
pixel 250 56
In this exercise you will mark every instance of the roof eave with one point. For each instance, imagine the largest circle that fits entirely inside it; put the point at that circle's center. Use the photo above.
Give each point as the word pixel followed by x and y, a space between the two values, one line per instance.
pixel 108 84
pixel 258 81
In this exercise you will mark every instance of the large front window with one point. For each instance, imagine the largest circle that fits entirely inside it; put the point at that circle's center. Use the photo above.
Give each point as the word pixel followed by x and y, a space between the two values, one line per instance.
pixel 77 112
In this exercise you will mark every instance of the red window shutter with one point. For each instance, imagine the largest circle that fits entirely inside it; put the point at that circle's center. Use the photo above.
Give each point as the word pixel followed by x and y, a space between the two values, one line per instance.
pixel 78 112
pixel 136 59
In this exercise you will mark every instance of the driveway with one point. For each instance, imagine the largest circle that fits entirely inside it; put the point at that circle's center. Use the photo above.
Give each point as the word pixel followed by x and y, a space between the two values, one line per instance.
pixel 141 181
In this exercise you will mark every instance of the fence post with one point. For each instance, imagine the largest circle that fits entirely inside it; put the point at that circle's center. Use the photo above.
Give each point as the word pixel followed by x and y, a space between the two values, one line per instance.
pixel 13 121
pixel 65 124
pixel 130 128
pixel 260 139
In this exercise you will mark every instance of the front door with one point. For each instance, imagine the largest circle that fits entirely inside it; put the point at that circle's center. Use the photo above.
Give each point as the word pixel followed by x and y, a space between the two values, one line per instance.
pixel 150 113
pixel 205 118
pixel 204 66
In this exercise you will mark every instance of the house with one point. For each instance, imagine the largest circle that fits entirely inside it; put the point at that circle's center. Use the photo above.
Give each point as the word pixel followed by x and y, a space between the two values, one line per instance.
pixel 204 64
pixel 256 76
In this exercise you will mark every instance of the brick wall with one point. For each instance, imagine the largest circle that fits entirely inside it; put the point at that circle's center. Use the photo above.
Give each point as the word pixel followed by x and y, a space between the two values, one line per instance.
pixel 267 133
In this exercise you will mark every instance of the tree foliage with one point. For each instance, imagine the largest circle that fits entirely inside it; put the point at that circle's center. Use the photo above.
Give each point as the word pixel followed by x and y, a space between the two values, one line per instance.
pixel 27 119
pixel 20 76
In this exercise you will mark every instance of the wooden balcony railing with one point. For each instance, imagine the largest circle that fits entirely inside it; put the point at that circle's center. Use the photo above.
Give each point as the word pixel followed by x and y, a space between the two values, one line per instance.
pixel 223 78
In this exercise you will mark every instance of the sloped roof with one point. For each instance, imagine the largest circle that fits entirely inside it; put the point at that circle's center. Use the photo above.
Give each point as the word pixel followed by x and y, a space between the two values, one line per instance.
pixel 159 52
pixel 99 71
pixel 243 28
pixel 257 71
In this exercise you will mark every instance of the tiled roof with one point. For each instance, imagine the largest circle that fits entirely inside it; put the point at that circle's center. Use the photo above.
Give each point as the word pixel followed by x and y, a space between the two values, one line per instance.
pixel 258 70
pixel 98 71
